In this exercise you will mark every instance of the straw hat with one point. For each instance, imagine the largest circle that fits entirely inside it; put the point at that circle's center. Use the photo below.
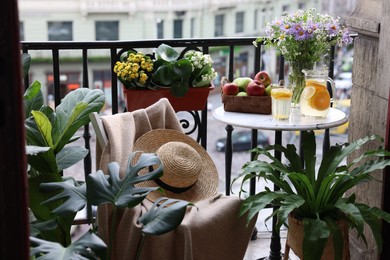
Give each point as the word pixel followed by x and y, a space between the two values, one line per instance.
pixel 189 172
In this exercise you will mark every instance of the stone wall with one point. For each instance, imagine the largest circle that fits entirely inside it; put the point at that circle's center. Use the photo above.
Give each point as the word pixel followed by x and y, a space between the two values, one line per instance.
pixel 369 104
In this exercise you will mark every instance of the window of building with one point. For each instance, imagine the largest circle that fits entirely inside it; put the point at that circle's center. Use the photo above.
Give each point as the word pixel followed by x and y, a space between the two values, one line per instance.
pixel 301 6
pixel 239 22
pixel 219 20
pixel 21 31
pixel 192 27
pixel 60 31
pixel 107 30
pixel 285 8
pixel 178 28
pixel 160 29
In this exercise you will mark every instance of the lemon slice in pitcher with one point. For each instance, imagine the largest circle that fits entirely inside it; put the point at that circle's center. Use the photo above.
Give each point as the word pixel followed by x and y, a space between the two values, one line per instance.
pixel 308 92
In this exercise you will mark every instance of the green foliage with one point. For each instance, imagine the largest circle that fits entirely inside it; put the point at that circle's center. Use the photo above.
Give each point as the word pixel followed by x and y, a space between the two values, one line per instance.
pixel 164 216
pixel 88 246
pixel 316 197
pixel 171 71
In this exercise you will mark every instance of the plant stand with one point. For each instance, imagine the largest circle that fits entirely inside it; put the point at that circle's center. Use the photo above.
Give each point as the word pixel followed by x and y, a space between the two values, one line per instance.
pixel 295 239
pixel 194 99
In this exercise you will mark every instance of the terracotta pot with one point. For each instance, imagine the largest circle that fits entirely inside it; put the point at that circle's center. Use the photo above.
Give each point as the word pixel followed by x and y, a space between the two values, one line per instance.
pixel 295 239
pixel 194 99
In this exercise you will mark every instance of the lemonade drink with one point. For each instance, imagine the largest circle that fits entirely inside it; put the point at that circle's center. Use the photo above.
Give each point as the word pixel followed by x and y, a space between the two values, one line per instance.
pixel 315 98
pixel 281 103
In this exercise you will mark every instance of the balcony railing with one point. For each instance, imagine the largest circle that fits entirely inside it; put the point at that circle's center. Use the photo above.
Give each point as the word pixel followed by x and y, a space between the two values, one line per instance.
pixel 116 48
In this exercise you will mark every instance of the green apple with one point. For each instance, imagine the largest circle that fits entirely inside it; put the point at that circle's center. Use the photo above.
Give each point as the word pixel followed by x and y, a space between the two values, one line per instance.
pixel 242 82
pixel 242 94
pixel 268 90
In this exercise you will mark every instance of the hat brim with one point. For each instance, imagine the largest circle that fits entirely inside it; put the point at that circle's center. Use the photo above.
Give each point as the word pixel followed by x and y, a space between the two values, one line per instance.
pixel 207 184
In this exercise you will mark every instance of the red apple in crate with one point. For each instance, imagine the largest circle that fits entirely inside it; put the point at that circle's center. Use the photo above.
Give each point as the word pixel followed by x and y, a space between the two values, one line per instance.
pixel 230 89
pixel 264 77
pixel 255 88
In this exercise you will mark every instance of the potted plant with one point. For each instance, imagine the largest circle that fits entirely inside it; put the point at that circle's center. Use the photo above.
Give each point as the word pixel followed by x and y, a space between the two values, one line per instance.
pixel 315 198
pixel 186 81
pixel 98 189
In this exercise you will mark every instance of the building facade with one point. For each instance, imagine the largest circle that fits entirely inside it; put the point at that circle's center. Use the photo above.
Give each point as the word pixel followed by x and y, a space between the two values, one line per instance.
pixel 102 20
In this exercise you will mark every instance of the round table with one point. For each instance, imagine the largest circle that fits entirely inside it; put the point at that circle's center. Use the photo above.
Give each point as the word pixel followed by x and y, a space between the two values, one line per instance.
pixel 296 122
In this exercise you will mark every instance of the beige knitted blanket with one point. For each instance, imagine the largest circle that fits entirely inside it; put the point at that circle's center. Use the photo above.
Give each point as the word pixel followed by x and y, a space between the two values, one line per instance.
pixel 213 231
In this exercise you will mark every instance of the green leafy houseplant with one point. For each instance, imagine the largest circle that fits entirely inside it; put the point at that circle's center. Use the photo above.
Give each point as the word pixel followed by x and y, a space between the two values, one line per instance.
pixel 317 197
pixel 48 132
pixel 194 69
pixel 102 189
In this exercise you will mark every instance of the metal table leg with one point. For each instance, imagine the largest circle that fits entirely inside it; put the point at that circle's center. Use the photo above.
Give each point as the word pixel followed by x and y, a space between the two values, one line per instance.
pixel 275 246
pixel 228 158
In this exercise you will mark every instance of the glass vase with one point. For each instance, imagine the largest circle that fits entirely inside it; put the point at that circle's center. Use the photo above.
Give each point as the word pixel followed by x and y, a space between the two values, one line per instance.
pixel 297 79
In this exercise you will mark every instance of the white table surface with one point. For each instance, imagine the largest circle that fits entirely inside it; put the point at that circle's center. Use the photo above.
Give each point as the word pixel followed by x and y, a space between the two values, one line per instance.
pixel 296 121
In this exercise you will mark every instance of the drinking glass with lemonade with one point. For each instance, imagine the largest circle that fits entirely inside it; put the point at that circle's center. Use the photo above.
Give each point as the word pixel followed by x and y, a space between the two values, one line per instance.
pixel 315 99
pixel 281 102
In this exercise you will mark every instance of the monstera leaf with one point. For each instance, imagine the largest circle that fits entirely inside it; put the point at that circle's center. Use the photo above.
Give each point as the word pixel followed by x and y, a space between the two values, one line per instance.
pixel 73 195
pixel 122 192
pixel 165 215
pixel 88 246
pixel 100 188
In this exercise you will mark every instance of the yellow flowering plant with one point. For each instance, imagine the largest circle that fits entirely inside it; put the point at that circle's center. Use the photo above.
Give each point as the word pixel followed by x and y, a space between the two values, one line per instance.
pixel 135 70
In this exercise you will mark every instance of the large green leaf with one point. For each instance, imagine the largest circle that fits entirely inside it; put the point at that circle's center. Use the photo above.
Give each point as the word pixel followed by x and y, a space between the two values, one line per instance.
pixel 44 162
pixel 337 237
pixel 164 76
pixel 336 154
pixel 253 204
pixel 165 215
pixel 122 192
pixel 288 205
pixel 43 212
pixel 72 195
pixel 352 213
pixel 33 98
pixel 88 246
pixel 166 52
pixel 183 68
pixel 69 156
pixel 26 61
pixel 179 88
pixel 44 127
pixel 316 235
pixel 73 113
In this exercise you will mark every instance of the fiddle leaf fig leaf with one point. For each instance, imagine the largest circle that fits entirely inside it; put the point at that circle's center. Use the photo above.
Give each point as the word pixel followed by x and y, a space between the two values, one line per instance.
pixel 72 194
pixel 122 192
pixel 88 246
pixel 44 127
pixel 165 215
pixel 69 156
pixel 33 98
pixel 73 113
pixel 26 61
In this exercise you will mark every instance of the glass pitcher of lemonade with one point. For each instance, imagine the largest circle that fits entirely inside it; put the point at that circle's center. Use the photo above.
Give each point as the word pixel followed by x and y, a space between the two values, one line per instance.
pixel 315 99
